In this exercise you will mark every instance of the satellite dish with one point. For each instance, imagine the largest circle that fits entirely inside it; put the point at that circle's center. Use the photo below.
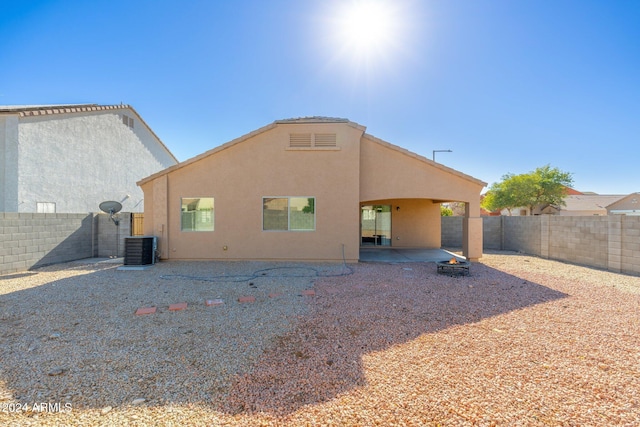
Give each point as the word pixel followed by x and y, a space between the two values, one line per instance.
pixel 111 207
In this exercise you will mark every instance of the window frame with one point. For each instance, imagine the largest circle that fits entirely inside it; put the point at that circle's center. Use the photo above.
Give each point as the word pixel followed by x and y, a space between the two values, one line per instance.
pixel 289 229
pixel 44 207
pixel 213 214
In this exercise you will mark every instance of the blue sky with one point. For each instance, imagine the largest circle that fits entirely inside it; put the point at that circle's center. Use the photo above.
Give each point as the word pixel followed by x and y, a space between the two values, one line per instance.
pixel 507 85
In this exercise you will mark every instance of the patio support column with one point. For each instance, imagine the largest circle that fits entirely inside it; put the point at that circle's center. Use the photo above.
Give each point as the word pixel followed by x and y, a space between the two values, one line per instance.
pixel 472 232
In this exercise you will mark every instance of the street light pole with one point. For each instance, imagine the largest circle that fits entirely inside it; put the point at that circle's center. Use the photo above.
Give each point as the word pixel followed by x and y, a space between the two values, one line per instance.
pixel 440 151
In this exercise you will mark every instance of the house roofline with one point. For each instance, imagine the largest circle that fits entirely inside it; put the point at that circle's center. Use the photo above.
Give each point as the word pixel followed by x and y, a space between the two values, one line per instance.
pixel 45 110
pixel 207 153
pixel 308 120
pixel 424 159
pixel 622 198
pixel 295 121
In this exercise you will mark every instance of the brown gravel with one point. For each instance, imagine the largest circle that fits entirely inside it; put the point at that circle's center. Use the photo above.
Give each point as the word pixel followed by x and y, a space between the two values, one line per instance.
pixel 522 341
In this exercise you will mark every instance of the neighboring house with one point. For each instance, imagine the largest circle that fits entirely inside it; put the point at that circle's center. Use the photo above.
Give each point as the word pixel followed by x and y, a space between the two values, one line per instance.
pixel 312 188
pixel 628 205
pixel 69 158
pixel 582 205
pixel 576 204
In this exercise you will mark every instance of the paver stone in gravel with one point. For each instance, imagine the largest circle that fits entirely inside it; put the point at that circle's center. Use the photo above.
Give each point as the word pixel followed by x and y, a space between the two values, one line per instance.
pixel 178 306
pixel 145 310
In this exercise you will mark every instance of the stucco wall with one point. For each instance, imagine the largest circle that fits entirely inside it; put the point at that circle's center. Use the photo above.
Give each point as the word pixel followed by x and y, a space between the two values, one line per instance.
pixel 9 163
pixel 240 175
pixel 78 160
pixel 388 172
pixel 415 223
pixel 3 165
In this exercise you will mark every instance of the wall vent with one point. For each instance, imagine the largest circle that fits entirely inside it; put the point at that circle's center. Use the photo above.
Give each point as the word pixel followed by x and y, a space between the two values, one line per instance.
pixel 308 140
pixel 300 140
pixel 325 140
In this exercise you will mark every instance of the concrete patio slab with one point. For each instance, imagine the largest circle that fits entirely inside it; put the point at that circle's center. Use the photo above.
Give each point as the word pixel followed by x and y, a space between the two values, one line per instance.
pixel 393 255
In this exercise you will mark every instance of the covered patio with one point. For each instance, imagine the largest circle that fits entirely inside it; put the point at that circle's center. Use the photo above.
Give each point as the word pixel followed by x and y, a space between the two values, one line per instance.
pixel 400 205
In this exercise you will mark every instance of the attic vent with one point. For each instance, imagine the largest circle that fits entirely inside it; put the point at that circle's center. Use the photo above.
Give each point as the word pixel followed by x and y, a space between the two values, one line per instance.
pixel 127 121
pixel 325 140
pixel 300 140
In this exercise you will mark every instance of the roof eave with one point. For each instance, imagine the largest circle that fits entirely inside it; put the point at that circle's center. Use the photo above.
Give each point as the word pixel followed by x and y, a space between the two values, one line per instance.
pixel 45 110
pixel 206 154
pixel 424 159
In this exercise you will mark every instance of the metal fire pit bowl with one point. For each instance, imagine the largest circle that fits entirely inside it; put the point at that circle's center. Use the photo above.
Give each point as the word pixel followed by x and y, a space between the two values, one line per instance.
pixel 459 269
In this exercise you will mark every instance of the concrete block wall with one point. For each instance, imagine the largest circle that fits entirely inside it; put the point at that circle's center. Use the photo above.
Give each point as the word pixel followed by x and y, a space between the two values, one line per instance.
pixel 111 237
pixel 522 233
pixel 579 240
pixel 29 240
pixel 630 244
pixel 451 231
pixel 609 242
pixel 492 232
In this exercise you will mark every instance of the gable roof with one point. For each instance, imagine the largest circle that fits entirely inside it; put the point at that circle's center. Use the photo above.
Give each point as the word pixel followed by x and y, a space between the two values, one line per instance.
pixel 307 120
pixel 301 120
pixel 45 110
pixel 633 199
pixel 424 159
pixel 42 110
pixel 573 192
pixel 586 202
pixel 313 119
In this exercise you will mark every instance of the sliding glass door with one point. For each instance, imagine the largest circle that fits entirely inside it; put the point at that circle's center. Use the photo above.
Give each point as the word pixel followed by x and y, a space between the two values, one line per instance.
pixel 375 225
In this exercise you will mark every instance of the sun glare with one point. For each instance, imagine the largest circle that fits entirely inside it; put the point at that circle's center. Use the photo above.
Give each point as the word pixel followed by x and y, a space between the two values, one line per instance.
pixel 367 27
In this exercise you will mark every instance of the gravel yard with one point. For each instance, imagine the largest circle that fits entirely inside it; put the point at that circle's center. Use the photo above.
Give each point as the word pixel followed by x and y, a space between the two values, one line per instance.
pixel 521 341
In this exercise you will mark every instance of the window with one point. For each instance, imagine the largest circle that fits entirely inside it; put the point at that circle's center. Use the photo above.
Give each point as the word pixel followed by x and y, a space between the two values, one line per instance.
pixel 197 214
pixel 45 207
pixel 288 213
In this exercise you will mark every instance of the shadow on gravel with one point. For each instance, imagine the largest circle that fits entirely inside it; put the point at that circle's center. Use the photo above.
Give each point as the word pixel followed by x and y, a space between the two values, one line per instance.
pixel 76 340
pixel 364 313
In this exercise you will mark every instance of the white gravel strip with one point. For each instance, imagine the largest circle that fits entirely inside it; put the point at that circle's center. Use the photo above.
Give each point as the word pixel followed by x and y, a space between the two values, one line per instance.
pixel 522 341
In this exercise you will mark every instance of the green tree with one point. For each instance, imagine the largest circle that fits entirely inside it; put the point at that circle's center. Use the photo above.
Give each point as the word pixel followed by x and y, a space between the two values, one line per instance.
pixel 311 206
pixel 445 211
pixel 543 186
pixel 548 186
pixel 503 195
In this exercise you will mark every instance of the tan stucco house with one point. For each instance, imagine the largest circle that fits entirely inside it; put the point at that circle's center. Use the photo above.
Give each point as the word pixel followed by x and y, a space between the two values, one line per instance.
pixel 582 205
pixel 627 205
pixel 313 188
